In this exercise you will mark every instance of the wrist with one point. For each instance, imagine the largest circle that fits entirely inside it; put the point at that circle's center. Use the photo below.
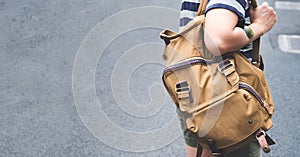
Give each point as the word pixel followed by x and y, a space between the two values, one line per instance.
pixel 257 30
pixel 249 32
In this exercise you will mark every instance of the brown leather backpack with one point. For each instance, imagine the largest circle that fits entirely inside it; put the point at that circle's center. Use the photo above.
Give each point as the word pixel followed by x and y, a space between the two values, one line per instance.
pixel 225 100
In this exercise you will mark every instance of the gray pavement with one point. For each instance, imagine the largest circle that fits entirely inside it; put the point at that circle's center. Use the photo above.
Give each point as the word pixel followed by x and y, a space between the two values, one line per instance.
pixel 64 63
pixel 282 70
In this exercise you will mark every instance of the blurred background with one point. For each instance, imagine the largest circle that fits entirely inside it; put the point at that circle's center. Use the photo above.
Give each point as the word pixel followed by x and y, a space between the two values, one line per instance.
pixel 83 78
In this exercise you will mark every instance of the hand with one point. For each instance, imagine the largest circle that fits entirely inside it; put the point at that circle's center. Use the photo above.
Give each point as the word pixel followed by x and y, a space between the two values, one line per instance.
pixel 264 16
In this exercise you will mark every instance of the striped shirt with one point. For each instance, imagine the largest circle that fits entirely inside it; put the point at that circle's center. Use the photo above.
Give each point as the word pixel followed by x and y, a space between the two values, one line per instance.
pixel 189 10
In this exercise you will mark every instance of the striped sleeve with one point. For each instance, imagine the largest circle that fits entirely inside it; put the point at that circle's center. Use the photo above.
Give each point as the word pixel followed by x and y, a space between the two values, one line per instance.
pixel 188 11
pixel 236 6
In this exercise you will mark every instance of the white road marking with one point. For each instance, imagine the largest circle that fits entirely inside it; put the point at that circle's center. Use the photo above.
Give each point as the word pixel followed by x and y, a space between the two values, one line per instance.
pixel 287 5
pixel 289 43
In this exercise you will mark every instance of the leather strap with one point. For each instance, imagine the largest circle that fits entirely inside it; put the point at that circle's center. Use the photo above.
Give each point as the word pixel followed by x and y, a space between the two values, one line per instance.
pixel 202 7
pixel 264 140
pixel 256 43
pixel 200 11
pixel 214 150
pixel 227 67
pixel 199 150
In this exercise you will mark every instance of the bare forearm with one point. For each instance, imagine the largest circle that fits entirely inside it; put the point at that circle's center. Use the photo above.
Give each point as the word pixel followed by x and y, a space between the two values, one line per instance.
pixel 233 41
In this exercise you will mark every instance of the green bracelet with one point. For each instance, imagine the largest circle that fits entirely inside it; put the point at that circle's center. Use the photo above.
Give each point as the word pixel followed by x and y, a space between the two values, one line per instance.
pixel 249 32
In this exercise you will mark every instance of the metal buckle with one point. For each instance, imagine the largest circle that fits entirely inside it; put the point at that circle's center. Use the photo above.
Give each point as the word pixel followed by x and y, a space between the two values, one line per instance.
pixel 257 63
pixel 182 87
pixel 225 65
pixel 261 132
pixel 216 154
pixel 265 147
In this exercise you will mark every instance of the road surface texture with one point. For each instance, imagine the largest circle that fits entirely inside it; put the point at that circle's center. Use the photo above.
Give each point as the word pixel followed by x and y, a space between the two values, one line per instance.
pixel 83 78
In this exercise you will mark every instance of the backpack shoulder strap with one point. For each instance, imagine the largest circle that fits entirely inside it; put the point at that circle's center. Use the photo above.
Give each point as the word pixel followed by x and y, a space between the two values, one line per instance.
pixel 202 7
pixel 256 43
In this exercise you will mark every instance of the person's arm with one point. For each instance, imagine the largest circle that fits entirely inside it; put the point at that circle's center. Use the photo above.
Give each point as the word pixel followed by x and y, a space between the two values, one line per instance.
pixel 222 35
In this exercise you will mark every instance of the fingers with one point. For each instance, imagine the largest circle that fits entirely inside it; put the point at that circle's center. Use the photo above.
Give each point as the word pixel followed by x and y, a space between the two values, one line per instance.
pixel 265 4
pixel 265 16
pixel 271 12
pixel 266 9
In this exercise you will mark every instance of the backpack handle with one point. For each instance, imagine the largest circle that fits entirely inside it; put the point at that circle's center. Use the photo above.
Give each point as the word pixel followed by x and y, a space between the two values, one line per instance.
pixel 200 11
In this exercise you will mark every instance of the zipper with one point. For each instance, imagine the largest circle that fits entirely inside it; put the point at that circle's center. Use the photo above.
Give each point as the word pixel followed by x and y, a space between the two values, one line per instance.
pixel 186 63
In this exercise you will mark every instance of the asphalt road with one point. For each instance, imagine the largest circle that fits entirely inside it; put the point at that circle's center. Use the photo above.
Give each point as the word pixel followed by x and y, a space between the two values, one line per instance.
pixel 82 78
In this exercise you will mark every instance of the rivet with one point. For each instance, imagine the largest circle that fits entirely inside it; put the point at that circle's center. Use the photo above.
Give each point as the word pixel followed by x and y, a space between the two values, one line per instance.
pixel 250 121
